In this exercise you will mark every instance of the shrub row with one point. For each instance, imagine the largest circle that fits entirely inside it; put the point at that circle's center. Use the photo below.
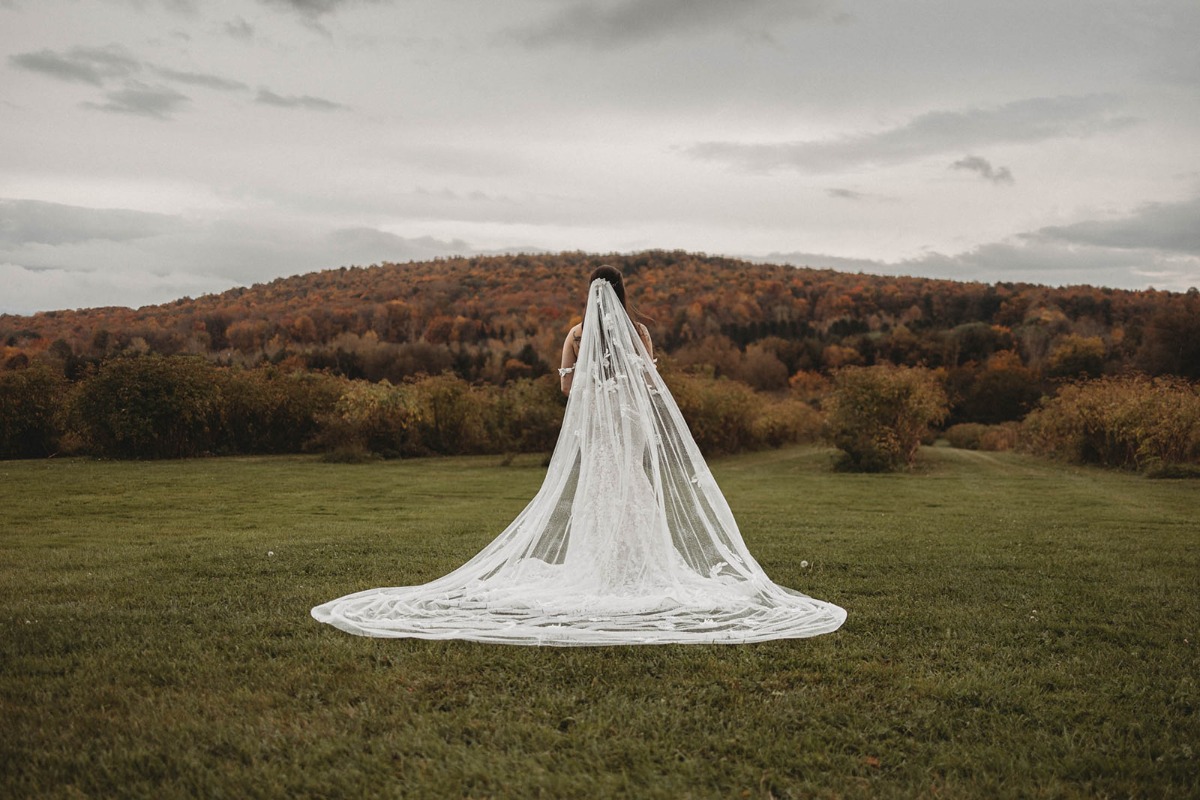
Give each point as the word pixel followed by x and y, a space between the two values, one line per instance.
pixel 1133 422
pixel 181 406
pixel 442 414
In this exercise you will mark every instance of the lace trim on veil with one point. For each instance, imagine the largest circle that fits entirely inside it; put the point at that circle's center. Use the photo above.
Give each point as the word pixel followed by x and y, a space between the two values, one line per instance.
pixel 628 541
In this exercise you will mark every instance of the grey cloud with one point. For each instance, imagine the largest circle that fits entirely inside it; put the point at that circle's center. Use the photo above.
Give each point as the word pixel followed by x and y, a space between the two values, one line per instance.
pixel 95 65
pixel 240 29
pixel 24 222
pixel 56 66
pixel 1031 120
pixel 316 8
pixel 1170 227
pixel 609 24
pixel 91 65
pixel 984 168
pixel 845 194
pixel 269 98
pixel 1058 264
pixel 144 100
pixel 200 79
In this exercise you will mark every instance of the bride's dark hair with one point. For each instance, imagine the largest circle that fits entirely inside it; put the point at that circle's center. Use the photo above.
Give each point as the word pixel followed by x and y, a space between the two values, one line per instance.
pixel 613 276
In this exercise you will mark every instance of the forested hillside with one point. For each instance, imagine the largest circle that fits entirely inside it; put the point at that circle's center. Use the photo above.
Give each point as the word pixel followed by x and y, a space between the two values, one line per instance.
pixel 495 318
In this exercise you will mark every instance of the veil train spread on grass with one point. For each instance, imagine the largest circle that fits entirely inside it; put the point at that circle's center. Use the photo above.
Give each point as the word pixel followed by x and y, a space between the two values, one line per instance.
pixel 629 540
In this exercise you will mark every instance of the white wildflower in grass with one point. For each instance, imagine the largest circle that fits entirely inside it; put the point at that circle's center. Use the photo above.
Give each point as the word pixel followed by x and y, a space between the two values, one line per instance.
pixel 803 565
pixel 270 553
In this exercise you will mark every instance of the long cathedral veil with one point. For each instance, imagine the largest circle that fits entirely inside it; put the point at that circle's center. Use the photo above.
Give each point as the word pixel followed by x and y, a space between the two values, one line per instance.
pixel 628 541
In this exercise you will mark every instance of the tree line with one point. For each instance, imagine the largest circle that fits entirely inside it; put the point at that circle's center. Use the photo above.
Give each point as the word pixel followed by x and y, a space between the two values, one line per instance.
pixel 152 406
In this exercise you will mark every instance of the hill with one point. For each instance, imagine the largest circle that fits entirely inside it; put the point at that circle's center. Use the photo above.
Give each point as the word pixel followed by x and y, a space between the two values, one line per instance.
pixel 495 318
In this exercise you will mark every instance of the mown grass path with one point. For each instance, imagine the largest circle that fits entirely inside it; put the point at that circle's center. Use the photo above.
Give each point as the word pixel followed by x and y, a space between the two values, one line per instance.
pixel 1016 629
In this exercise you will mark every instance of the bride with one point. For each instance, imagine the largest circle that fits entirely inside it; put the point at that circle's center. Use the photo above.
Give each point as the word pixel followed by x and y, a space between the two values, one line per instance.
pixel 628 541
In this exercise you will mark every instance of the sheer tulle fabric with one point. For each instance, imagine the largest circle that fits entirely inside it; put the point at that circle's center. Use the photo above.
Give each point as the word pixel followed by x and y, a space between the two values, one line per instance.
pixel 628 541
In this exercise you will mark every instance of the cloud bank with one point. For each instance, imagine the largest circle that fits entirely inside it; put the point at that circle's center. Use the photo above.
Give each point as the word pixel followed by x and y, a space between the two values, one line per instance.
pixel 1158 244
pixel 97 66
pixel 1024 121
pixel 91 65
pixel 1169 227
pixel 61 256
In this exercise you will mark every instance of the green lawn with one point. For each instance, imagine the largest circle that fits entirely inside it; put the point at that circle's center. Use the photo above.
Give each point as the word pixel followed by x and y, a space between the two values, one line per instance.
pixel 1016 629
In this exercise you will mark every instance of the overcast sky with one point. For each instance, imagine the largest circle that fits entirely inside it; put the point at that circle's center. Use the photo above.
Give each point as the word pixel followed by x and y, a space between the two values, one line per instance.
pixel 151 149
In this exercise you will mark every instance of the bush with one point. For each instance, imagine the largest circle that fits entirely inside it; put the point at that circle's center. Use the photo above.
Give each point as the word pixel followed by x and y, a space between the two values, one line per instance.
pixel 1128 421
pixel 372 418
pixel 717 410
pixel 1005 436
pixel 349 453
pixel 965 435
pixel 269 411
pixel 149 407
pixel 786 421
pixel 443 414
pixel 450 415
pixel 30 400
pixel 526 415
pixel 878 415
pixel 727 416
pixel 976 436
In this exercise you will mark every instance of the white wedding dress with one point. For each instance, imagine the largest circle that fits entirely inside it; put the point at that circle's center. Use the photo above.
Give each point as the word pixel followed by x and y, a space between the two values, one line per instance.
pixel 629 540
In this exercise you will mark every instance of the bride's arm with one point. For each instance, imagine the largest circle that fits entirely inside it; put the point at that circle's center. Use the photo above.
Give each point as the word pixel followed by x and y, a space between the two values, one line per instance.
pixel 568 362
pixel 644 333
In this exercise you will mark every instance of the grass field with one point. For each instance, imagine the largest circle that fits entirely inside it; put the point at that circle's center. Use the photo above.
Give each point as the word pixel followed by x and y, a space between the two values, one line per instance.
pixel 1016 629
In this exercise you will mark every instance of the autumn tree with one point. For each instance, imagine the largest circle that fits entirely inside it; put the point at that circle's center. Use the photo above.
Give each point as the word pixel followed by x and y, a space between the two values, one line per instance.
pixel 1171 343
pixel 1001 390
pixel 1075 356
